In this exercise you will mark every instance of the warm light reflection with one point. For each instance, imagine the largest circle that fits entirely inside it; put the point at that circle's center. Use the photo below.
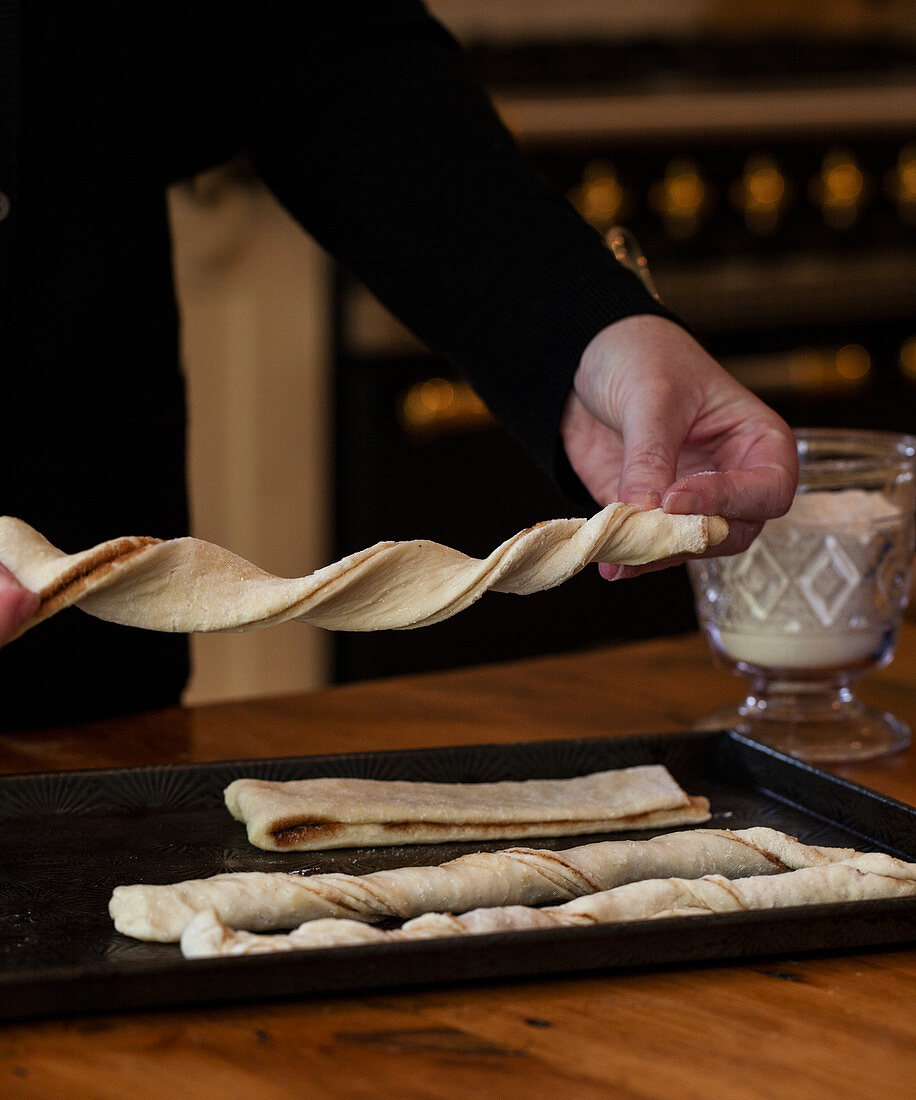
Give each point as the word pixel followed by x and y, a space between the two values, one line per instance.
pixel 436 405
pixel 826 370
pixel 839 188
pixel 901 184
pixel 852 362
pixel 760 193
pixel 600 197
pixel 810 371
pixel 681 197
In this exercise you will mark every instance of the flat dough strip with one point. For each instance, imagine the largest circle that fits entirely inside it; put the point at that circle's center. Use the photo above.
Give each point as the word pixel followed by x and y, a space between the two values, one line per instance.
pixel 261 901
pixel 187 585
pixel 870 875
pixel 302 815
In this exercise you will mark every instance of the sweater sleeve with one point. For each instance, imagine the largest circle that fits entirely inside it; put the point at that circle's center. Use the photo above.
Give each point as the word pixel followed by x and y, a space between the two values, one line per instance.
pixel 366 124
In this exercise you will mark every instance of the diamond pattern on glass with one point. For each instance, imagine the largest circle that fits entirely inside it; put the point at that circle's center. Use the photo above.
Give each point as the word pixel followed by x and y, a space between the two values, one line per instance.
pixel 890 564
pixel 829 580
pixel 762 579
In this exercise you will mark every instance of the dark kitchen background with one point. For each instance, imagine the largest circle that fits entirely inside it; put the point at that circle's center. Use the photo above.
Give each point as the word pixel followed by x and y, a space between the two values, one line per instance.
pixel 764 156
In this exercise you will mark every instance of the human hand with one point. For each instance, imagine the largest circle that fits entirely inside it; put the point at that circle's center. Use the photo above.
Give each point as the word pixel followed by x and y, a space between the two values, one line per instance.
pixel 16 605
pixel 653 420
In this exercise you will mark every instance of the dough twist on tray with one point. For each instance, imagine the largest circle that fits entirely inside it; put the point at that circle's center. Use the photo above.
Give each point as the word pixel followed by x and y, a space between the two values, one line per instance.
pixel 266 901
pixel 870 875
pixel 187 585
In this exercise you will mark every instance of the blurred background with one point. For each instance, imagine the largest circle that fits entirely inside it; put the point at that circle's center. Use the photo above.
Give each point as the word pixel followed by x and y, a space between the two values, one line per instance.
pixel 763 153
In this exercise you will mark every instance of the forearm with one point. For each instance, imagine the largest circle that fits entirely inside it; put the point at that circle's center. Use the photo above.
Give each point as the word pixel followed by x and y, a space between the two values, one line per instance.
pixel 391 156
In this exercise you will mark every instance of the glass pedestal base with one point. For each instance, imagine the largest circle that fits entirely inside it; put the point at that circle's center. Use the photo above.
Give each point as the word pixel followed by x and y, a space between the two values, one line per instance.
pixel 818 727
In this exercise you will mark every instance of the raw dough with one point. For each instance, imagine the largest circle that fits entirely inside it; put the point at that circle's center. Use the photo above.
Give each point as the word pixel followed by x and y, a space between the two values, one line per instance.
pixel 870 875
pixel 300 815
pixel 262 901
pixel 186 585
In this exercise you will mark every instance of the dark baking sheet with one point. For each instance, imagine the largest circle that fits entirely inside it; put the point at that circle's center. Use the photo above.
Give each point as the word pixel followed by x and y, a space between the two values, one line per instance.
pixel 67 838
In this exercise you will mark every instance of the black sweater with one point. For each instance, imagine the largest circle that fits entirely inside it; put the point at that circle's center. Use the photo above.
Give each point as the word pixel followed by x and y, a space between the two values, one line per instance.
pixel 362 119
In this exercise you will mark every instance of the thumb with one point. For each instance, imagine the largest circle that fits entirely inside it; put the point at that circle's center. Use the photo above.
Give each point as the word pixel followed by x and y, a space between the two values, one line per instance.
pixel 649 465
pixel 16 605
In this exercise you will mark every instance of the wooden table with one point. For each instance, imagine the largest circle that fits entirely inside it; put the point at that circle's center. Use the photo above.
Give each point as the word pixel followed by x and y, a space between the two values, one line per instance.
pixel 801 1027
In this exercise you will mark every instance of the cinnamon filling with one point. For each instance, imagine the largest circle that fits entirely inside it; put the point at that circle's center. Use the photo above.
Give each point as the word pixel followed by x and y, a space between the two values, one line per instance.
pixel 297 831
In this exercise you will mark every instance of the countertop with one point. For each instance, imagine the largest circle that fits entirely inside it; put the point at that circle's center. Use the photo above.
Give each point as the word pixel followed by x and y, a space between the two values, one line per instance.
pixel 808 1026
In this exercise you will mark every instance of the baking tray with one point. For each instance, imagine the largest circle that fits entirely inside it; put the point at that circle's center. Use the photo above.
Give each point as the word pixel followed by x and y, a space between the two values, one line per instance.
pixel 67 838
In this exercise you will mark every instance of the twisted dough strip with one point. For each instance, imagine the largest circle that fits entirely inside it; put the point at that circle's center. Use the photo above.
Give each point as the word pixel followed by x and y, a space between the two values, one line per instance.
pixel 186 585
pixel 871 875
pixel 264 901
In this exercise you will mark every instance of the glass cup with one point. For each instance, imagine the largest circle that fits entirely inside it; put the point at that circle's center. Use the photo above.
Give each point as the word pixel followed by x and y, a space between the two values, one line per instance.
pixel 817 600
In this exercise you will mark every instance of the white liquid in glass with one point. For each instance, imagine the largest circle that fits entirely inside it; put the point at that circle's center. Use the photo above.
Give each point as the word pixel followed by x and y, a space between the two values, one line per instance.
pixel 828 650
pixel 848 512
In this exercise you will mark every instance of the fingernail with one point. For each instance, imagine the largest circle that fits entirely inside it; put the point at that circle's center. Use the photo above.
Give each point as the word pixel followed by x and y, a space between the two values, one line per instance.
pixel 609 571
pixel 684 503
pixel 644 498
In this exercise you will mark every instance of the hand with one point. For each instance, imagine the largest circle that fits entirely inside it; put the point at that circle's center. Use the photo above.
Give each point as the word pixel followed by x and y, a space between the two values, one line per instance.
pixel 653 420
pixel 16 605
